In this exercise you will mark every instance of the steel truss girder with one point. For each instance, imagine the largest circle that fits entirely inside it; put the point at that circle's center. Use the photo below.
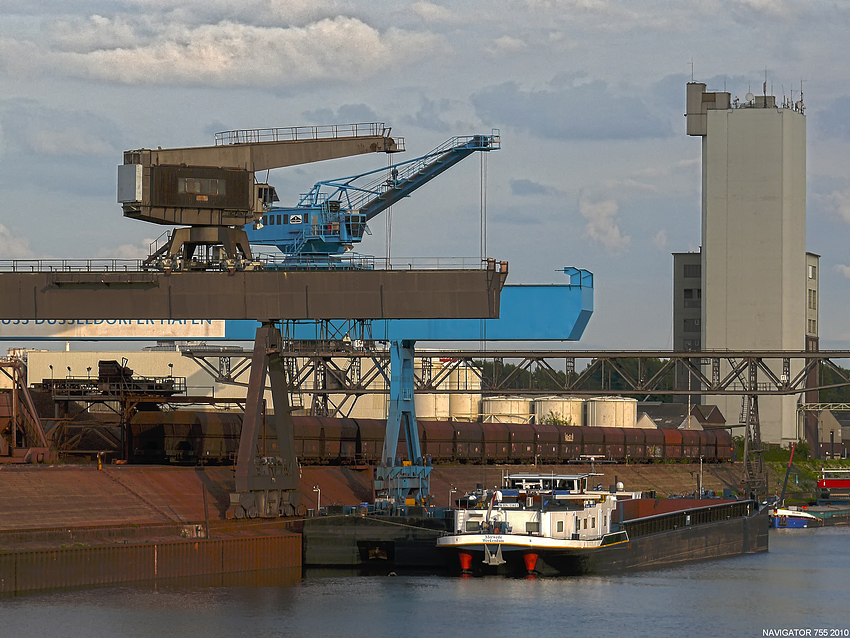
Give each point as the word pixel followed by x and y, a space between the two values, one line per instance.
pixel 747 372
pixel 752 371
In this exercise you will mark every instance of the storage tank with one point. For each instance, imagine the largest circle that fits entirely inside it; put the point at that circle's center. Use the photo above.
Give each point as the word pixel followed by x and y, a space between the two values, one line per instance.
pixel 506 410
pixel 368 406
pixel 432 406
pixel 465 406
pixel 615 412
pixel 561 410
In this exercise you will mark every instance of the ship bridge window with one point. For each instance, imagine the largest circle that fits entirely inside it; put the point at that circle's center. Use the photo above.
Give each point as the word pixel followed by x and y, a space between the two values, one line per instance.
pixel 200 186
pixel 560 526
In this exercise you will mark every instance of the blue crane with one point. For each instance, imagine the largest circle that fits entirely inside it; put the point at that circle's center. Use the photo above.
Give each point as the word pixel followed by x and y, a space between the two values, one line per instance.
pixel 333 215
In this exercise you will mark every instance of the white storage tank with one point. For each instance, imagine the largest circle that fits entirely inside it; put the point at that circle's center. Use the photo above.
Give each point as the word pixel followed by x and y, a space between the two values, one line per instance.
pixel 464 406
pixel 368 406
pixel 612 412
pixel 434 407
pixel 506 410
pixel 565 410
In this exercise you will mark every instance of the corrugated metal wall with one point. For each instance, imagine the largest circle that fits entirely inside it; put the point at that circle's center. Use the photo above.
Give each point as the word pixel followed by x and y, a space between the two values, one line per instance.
pixel 27 570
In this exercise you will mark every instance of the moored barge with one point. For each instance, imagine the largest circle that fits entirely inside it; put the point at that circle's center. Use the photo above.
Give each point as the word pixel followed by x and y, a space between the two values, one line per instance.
pixel 555 525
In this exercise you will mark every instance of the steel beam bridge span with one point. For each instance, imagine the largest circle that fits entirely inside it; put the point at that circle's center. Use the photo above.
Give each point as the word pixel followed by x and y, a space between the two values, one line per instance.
pixel 608 373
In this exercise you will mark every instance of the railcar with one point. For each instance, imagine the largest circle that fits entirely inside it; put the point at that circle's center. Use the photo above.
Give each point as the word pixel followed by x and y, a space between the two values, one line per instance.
pixel 195 436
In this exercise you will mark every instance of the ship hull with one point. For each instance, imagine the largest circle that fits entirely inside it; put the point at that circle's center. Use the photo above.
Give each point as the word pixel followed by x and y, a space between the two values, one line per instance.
pixel 732 537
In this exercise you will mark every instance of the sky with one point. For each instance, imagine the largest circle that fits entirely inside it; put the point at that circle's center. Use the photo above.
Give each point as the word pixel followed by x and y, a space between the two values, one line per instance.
pixel 595 169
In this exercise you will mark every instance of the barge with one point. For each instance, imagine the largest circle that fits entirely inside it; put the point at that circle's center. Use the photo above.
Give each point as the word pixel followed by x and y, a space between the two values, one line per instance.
pixel 556 525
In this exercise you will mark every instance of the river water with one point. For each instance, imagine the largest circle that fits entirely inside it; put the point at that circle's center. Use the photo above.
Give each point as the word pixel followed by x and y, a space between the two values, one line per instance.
pixel 798 588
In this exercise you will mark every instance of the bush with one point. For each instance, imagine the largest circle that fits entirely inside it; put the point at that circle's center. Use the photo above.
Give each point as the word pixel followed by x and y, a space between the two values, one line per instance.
pixel 556 418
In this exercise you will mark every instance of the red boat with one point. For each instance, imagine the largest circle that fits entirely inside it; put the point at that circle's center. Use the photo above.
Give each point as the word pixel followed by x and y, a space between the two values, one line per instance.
pixel 834 486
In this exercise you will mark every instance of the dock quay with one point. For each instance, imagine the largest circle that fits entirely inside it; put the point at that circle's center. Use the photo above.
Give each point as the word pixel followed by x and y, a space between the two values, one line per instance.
pixel 77 525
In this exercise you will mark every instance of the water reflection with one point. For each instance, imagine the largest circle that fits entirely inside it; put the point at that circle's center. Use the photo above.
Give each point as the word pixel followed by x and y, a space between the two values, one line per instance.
pixel 799 583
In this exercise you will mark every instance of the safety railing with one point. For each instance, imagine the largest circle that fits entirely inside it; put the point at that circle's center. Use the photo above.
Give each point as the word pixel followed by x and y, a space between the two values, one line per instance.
pixel 296 133
pixel 70 265
pixel 414 168
pixel 274 261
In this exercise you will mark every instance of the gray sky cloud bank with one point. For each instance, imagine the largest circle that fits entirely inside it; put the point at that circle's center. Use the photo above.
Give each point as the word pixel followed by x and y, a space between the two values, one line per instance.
pixel 586 111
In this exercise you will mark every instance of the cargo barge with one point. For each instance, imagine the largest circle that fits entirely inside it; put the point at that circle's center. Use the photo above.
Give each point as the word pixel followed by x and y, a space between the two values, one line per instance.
pixel 555 525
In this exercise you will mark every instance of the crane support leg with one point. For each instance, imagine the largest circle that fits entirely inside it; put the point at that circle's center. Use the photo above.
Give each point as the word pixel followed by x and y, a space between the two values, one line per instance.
pixel 266 482
pixel 402 482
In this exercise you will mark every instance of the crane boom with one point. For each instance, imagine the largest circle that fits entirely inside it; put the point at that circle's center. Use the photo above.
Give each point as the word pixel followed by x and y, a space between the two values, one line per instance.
pixel 333 215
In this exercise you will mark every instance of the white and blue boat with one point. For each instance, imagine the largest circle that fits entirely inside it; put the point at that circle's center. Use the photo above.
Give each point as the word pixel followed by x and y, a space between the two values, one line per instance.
pixel 792 518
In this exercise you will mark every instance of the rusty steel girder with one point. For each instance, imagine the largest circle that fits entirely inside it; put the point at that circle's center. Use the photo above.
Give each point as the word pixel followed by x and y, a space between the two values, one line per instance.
pixel 253 295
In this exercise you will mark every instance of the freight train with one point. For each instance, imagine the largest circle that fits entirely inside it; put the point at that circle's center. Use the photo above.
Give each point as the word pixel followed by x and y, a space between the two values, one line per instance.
pixel 211 437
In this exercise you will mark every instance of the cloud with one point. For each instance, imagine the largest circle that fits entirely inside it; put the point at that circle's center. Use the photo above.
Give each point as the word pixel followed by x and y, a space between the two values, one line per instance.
pixel 346 113
pixel 430 115
pixel 660 239
pixel 154 50
pixel 12 247
pixel 54 132
pixel 602 223
pixel 632 185
pixel 833 121
pixel 507 45
pixel 73 141
pixel 569 109
pixel 843 270
pixel 527 187
pixel 129 251
pixel 431 12
pixel 839 202
pixel 761 8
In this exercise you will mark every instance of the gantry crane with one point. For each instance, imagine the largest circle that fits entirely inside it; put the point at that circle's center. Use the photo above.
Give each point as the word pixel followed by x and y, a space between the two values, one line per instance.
pixel 212 191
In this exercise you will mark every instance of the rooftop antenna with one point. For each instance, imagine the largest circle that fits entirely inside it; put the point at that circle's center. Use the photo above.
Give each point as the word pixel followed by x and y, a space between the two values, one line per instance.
pixel 692 68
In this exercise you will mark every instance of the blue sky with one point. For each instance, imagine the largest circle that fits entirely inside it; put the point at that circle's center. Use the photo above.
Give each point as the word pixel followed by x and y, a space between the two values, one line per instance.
pixel 595 169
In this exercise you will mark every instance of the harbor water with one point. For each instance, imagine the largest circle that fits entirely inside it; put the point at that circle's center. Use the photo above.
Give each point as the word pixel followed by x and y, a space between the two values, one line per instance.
pixel 796 589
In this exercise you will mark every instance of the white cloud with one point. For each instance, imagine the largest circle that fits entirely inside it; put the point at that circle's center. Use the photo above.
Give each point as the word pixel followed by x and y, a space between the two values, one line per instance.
pixel 843 270
pixel 632 185
pixel 507 45
pixel 226 53
pixel 839 201
pixel 690 165
pixel 129 251
pixel 772 8
pixel 431 12
pixel 660 239
pixel 602 223
pixel 71 141
pixel 12 247
pixel 82 35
